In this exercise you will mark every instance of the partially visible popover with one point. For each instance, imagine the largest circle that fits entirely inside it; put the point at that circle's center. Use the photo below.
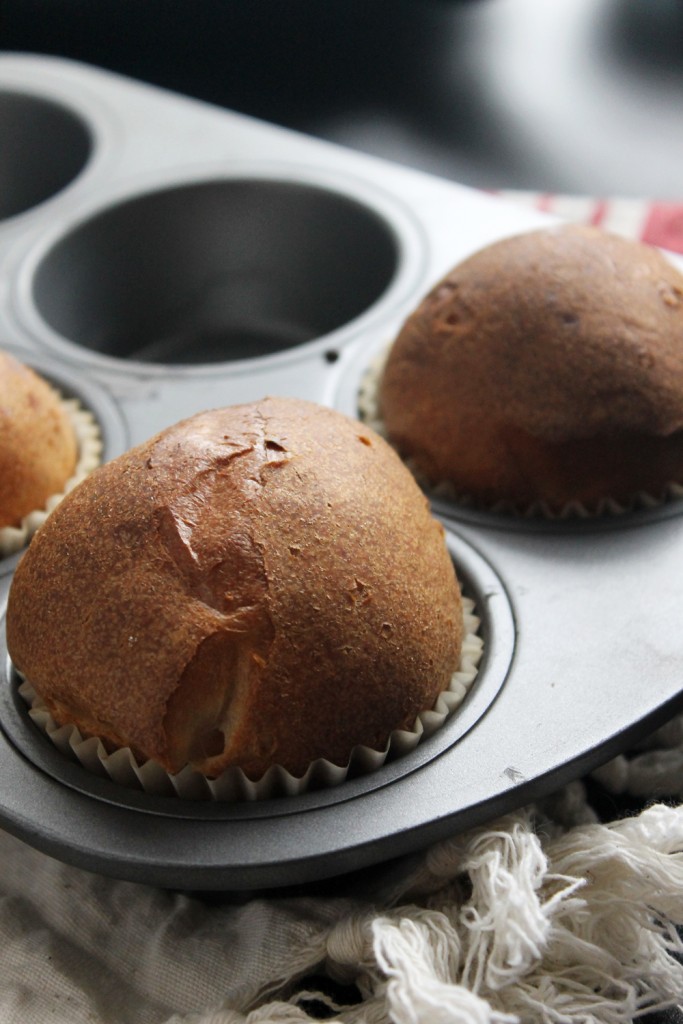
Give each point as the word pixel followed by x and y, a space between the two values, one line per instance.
pixel 38 445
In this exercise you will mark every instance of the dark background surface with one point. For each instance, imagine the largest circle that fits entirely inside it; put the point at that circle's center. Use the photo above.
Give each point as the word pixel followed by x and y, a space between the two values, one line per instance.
pixel 578 96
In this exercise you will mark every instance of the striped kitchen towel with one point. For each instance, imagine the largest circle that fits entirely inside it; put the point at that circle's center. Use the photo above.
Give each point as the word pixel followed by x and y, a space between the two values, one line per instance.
pixel 655 222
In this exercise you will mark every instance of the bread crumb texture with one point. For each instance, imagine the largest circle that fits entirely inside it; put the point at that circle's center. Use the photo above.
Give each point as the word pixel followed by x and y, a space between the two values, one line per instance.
pixel 257 585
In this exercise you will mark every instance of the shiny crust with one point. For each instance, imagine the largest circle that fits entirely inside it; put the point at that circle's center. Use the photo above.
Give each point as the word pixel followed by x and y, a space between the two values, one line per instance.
pixel 548 366
pixel 38 448
pixel 257 585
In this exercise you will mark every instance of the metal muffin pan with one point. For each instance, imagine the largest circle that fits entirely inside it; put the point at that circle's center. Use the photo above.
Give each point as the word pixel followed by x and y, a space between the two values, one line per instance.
pixel 176 257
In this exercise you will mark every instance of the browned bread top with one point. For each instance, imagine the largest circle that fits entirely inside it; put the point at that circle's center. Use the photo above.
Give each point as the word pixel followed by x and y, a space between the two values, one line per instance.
pixel 255 585
pixel 533 367
pixel 38 448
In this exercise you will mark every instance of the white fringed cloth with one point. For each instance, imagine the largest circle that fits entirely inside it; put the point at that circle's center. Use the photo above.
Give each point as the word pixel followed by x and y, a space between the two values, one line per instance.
pixel 548 916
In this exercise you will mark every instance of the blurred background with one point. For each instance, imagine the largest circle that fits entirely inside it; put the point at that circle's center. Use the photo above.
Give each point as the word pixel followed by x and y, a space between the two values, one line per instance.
pixel 569 96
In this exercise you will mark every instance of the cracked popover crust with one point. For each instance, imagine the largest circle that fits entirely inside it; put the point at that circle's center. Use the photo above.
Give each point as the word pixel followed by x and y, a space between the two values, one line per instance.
pixel 256 585
pixel 38 446
pixel 547 367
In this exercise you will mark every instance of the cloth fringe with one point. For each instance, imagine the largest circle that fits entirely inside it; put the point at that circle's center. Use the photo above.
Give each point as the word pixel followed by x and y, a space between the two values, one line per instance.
pixel 577 928
pixel 516 922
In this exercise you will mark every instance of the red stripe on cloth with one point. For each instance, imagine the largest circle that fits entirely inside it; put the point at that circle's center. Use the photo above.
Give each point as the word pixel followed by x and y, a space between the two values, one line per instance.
pixel 545 202
pixel 599 211
pixel 657 223
pixel 664 226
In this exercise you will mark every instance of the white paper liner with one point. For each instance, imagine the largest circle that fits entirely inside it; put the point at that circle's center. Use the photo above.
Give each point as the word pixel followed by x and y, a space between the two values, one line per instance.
pixel 122 767
pixel 369 413
pixel 89 442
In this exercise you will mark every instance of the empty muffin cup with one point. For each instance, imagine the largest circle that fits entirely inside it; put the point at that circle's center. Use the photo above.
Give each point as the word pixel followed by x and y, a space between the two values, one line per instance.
pixel 215 271
pixel 45 147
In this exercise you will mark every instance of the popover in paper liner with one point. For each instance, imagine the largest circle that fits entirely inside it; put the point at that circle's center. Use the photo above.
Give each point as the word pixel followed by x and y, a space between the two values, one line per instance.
pixel 258 586
pixel 544 373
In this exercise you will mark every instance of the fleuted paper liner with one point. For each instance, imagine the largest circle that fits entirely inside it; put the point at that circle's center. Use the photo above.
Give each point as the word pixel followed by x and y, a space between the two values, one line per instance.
pixel 121 766
pixel 89 443
pixel 369 412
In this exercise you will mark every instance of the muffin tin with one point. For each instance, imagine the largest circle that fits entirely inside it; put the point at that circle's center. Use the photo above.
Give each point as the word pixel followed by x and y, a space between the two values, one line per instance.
pixel 158 257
